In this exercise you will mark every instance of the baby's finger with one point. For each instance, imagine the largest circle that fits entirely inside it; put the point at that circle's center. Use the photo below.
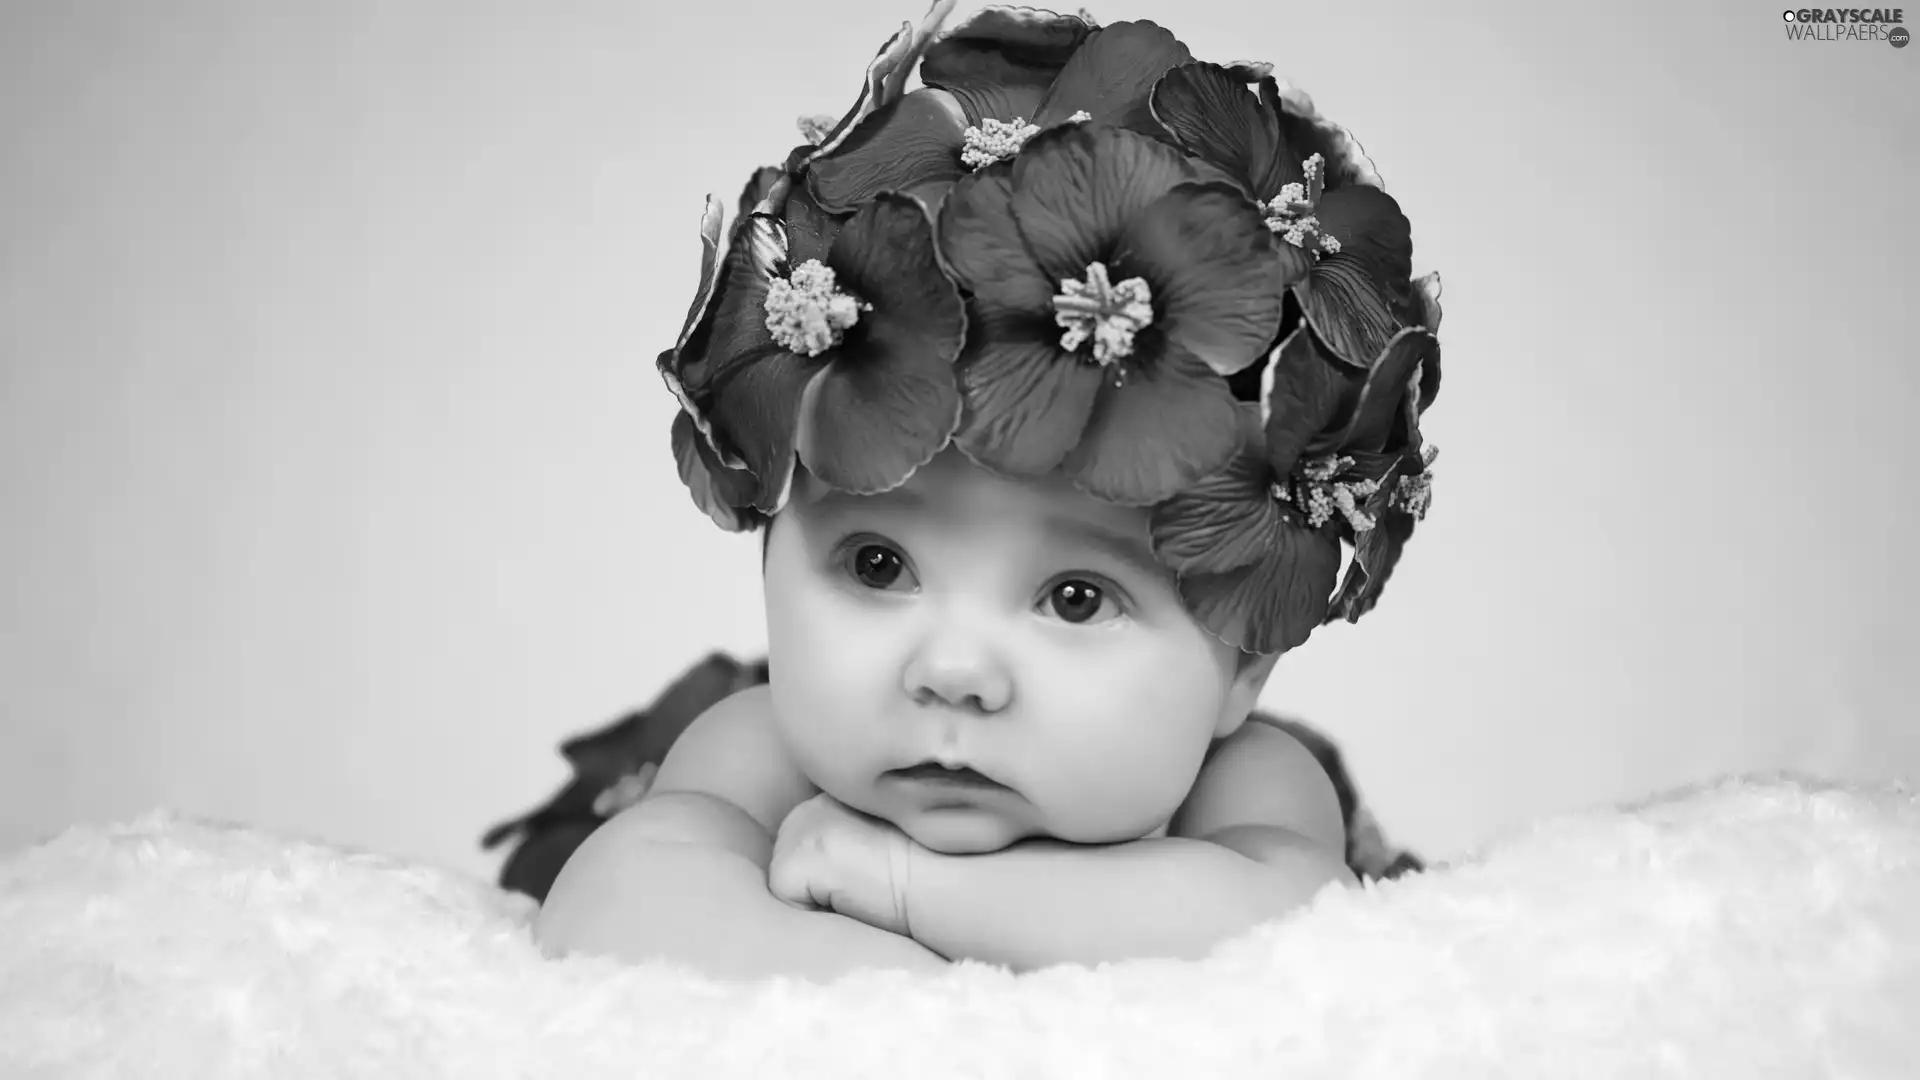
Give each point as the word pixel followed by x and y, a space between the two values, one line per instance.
pixel 789 882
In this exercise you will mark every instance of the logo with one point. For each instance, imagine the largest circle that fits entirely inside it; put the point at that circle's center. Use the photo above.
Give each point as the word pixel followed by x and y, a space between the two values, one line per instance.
pixel 1847 24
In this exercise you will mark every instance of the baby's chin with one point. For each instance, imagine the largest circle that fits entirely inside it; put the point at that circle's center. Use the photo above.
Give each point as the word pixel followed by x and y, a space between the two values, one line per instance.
pixel 960 833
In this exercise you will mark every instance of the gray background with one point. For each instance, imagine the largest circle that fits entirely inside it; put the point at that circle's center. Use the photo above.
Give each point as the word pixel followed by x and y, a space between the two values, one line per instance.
pixel 334 466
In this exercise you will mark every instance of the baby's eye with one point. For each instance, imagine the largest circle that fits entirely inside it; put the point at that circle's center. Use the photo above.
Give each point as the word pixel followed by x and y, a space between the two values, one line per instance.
pixel 1077 600
pixel 877 566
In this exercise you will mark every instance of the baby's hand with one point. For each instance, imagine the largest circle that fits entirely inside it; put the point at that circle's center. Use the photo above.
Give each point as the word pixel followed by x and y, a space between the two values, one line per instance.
pixel 827 856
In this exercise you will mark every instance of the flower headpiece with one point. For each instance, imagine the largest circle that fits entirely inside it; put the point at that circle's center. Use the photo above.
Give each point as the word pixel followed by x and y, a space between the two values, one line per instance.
pixel 1077 248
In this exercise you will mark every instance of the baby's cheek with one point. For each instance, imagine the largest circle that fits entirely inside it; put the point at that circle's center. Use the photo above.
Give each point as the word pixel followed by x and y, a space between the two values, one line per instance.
pixel 814 724
pixel 1120 791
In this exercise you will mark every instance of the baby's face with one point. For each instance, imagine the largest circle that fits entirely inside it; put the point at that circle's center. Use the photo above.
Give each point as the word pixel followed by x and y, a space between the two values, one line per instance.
pixel 981 660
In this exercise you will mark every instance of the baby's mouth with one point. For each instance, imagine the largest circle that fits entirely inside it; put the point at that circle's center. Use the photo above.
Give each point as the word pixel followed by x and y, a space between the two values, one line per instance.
pixel 932 772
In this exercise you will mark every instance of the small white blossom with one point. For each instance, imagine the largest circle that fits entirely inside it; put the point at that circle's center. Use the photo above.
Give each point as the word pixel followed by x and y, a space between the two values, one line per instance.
pixel 1111 314
pixel 806 313
pixel 626 791
pixel 815 129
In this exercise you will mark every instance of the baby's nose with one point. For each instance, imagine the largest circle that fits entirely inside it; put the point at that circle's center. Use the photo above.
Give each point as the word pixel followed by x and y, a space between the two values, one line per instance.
pixel 960 673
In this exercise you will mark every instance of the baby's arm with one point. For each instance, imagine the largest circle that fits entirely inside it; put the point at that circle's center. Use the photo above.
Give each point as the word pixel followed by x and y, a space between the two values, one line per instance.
pixel 682 875
pixel 1260 836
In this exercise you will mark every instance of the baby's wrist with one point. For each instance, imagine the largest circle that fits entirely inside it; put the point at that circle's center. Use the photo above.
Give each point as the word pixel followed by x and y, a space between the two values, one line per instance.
pixel 918 867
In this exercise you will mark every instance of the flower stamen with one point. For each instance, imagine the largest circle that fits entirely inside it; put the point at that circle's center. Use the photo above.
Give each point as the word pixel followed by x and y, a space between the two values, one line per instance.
pixel 807 314
pixel 997 140
pixel 1291 213
pixel 1111 314
pixel 1315 490
pixel 1414 494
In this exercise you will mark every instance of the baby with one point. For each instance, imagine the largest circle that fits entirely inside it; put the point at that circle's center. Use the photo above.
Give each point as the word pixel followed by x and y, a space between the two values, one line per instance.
pixel 1058 385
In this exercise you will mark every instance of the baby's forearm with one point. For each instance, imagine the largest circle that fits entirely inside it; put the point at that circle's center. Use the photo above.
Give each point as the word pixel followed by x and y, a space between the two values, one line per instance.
pixel 709 909
pixel 1042 903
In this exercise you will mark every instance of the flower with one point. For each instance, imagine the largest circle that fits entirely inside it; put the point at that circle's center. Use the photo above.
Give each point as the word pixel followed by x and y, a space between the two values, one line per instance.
pixel 843 356
pixel 1113 237
pixel 1348 449
pixel 683 367
pixel 1350 248
pixel 1377 551
pixel 809 232
pixel 1256 546
pixel 991 85
pixel 1251 568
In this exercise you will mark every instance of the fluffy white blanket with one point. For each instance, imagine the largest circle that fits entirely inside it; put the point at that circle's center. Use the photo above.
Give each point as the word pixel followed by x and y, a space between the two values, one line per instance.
pixel 1750 928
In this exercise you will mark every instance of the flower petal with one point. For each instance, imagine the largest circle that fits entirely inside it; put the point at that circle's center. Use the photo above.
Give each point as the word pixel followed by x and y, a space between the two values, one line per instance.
pixel 1216 273
pixel 1000 62
pixel 1027 405
pixel 670 362
pixel 984 251
pixel 910 141
pixel 1163 428
pixel 1275 604
pixel 1306 133
pixel 1006 103
pixel 1030 37
pixel 867 424
pixel 1428 287
pixel 738 326
pixel 1427 294
pixel 1076 188
pixel 886 255
pixel 756 250
pixel 810 230
pixel 720 492
pixel 1383 397
pixel 889 400
pixel 1111 76
pixel 1346 305
pixel 756 406
pixel 887 74
pixel 931 194
pixel 1223 522
pixel 1376 554
pixel 759 186
pixel 1368 224
pixel 1211 113
pixel 923 38
pixel 1301 394
pixel 712 218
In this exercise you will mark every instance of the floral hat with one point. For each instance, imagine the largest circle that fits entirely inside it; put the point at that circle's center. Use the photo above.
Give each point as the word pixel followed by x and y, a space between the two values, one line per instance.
pixel 1076 248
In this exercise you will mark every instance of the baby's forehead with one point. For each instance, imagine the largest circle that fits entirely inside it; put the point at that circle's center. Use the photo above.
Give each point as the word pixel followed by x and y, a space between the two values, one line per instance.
pixel 952 493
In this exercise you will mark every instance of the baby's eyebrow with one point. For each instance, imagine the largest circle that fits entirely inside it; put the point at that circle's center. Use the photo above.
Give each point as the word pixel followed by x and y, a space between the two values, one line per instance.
pixel 1124 547
pixel 834 501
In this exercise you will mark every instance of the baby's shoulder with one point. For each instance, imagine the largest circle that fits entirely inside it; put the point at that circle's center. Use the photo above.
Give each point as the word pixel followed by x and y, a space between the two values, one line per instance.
pixel 1261 775
pixel 733 752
